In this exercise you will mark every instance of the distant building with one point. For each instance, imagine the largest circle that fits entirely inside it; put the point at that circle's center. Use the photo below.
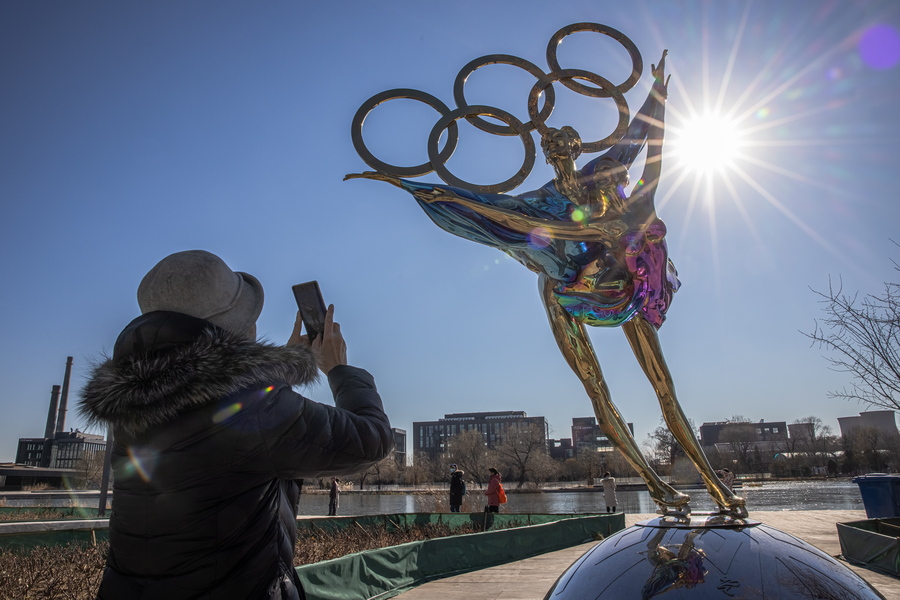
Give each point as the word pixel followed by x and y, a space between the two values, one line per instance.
pixel 63 451
pixel 59 458
pixel 15 477
pixel 882 420
pixel 399 451
pixel 561 449
pixel 431 436
pixel 727 431
pixel 588 437
pixel 801 431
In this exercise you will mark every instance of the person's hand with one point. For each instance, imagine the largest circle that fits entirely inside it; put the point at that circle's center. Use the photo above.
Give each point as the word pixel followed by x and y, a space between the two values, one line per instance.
pixel 331 350
pixel 297 338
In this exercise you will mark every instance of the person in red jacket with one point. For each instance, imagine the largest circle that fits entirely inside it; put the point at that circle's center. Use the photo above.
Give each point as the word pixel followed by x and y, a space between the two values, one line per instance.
pixel 493 492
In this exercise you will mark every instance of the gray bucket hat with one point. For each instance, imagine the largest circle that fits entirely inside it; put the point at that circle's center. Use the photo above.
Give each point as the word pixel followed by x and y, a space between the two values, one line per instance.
pixel 200 284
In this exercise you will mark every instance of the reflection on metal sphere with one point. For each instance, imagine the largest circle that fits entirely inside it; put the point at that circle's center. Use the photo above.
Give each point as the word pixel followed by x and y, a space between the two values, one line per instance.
pixel 707 557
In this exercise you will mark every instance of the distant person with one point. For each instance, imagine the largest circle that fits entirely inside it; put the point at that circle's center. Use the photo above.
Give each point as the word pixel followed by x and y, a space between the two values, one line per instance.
pixel 334 497
pixel 493 492
pixel 210 440
pixel 727 478
pixel 609 492
pixel 457 489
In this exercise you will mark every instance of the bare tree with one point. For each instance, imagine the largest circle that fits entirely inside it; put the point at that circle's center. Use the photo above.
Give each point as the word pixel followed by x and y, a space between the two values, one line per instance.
pixel 863 335
pixel 863 449
pixel 741 437
pixel 815 439
pixel 572 469
pixel 615 463
pixel 523 450
pixel 422 469
pixel 664 449
pixel 91 466
pixel 469 451
pixel 590 464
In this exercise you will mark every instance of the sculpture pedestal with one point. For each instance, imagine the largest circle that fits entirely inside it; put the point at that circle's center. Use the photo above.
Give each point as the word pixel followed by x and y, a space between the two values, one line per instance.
pixel 708 556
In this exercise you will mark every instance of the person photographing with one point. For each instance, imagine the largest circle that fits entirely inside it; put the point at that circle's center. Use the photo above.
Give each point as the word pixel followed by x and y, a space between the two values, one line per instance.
pixel 210 439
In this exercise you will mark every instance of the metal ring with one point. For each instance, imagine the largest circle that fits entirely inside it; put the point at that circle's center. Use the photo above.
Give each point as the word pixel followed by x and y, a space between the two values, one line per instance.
pixel 499 59
pixel 404 93
pixel 637 63
pixel 611 90
pixel 450 119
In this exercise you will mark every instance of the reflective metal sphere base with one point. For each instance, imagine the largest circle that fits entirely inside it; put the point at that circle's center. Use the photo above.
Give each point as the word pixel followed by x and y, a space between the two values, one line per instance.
pixel 708 556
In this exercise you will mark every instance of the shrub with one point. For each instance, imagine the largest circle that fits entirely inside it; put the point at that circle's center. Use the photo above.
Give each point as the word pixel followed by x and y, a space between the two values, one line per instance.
pixel 73 571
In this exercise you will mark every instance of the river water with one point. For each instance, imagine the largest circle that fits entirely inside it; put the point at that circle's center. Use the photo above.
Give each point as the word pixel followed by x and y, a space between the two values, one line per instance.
pixel 793 495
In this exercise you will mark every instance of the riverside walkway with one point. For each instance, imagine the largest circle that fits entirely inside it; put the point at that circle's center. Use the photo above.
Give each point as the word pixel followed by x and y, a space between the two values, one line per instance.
pixel 530 579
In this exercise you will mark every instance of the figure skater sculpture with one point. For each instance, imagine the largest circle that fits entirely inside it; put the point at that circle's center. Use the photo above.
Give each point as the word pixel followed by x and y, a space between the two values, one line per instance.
pixel 601 260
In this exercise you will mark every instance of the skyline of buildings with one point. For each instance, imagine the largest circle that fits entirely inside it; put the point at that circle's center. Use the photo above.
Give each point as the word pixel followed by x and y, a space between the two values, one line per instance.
pixel 58 447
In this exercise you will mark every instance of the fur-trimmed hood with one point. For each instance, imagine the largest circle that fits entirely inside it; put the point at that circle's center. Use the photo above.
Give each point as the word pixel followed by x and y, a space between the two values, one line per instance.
pixel 165 363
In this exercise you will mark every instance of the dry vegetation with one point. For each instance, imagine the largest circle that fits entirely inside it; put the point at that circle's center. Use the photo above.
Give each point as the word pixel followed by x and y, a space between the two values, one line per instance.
pixel 73 572
pixel 43 514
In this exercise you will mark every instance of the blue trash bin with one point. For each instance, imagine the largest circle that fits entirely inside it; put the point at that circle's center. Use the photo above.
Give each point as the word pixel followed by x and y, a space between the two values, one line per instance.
pixel 880 494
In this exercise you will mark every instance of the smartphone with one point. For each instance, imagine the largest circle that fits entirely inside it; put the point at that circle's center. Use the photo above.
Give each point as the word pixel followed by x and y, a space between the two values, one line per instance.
pixel 312 307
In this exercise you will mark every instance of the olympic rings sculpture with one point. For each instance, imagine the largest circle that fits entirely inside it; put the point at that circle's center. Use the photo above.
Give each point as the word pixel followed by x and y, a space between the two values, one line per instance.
pixel 437 157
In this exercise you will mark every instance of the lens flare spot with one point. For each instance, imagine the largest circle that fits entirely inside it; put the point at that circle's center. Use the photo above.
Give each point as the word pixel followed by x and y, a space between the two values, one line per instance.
pixel 264 391
pixel 879 47
pixel 539 238
pixel 140 462
pixel 578 215
pixel 225 413
pixel 763 112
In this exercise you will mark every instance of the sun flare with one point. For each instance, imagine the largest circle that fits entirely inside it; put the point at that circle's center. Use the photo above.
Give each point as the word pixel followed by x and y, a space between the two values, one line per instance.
pixel 707 143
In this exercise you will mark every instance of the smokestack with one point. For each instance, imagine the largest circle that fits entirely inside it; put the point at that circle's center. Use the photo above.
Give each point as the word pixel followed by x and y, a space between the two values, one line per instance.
pixel 64 398
pixel 51 416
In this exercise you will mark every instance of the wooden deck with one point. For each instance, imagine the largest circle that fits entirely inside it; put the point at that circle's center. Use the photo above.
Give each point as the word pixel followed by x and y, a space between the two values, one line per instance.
pixel 531 579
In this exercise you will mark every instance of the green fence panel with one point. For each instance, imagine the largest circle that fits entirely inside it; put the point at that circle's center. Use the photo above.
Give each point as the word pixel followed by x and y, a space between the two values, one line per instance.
pixel 452 520
pixel 873 542
pixel 386 572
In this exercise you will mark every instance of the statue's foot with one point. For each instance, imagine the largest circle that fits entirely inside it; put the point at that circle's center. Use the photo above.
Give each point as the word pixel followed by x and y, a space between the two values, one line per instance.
pixel 680 513
pixel 673 498
pixel 735 507
pixel 673 503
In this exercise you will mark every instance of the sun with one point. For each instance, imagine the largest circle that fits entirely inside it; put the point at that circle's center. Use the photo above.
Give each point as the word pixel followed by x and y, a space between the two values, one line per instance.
pixel 707 143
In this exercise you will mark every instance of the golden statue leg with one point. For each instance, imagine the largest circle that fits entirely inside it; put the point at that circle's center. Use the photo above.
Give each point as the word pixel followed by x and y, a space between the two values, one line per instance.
pixel 579 353
pixel 644 341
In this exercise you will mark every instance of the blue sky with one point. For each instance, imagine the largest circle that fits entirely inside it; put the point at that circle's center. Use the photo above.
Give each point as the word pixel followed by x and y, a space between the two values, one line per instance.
pixel 132 130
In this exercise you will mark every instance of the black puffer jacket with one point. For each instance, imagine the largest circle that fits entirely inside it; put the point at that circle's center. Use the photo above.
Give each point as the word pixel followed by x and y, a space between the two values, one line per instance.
pixel 209 438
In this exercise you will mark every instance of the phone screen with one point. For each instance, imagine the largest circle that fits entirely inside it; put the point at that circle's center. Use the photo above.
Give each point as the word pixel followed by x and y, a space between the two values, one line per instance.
pixel 312 307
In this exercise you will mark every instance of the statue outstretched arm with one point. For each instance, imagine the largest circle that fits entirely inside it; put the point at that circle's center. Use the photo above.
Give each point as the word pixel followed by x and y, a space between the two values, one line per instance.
pixel 641 202
pixel 607 232
pixel 641 130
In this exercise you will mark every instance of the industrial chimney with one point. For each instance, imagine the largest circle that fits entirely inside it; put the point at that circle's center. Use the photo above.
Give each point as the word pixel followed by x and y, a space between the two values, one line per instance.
pixel 51 416
pixel 64 398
